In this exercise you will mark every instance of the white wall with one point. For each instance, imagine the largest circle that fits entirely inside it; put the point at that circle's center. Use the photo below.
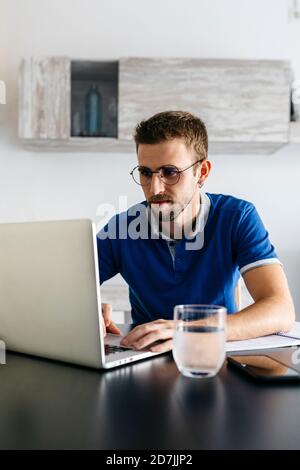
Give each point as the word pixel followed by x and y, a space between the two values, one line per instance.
pixel 52 185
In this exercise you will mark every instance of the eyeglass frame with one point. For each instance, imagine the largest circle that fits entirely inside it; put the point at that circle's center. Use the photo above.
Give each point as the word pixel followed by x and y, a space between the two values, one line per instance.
pixel 159 171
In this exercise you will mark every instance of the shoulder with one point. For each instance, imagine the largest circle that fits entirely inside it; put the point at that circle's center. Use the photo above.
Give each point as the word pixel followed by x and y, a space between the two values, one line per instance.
pixel 123 219
pixel 227 203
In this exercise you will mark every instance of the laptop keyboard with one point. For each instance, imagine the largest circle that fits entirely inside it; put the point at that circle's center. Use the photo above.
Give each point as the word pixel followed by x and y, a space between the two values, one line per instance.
pixel 109 349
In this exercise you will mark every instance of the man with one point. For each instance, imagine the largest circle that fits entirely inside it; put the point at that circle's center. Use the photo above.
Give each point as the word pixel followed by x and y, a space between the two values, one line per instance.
pixel 199 243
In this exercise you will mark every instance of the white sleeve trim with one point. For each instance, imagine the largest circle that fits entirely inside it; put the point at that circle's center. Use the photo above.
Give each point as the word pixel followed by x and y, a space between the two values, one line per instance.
pixel 262 262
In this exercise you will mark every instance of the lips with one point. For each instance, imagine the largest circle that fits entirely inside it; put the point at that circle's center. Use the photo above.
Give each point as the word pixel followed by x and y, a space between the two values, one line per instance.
pixel 160 203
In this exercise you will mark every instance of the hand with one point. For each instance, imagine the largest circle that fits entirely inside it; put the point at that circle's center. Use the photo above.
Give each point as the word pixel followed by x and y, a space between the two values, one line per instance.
pixel 144 335
pixel 108 325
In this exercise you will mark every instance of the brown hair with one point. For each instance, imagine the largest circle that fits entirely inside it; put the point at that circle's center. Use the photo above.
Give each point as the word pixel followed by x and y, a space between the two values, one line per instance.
pixel 169 125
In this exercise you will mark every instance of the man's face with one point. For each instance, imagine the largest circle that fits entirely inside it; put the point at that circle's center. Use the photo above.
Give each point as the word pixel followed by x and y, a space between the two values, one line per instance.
pixel 169 200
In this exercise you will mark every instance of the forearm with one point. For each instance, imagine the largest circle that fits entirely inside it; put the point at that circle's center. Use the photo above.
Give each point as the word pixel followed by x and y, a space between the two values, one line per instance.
pixel 264 317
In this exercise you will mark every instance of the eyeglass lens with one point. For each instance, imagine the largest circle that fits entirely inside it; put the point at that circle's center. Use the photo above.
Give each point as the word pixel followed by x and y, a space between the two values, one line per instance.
pixel 143 175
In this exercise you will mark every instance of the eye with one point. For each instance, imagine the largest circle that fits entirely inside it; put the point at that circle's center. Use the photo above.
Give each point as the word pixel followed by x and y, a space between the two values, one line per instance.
pixel 145 172
pixel 170 172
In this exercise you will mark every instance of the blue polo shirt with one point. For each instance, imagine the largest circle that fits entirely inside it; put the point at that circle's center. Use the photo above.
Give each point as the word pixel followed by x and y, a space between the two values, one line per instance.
pixel 230 239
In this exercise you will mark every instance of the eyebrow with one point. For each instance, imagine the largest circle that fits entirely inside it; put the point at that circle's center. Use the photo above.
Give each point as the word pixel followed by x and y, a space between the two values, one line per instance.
pixel 162 166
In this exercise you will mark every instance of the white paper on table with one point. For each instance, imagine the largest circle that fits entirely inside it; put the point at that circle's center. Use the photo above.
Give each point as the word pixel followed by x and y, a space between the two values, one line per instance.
pixel 280 340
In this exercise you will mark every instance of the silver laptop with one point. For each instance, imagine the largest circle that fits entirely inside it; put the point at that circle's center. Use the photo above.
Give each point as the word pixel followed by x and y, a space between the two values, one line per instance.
pixel 50 302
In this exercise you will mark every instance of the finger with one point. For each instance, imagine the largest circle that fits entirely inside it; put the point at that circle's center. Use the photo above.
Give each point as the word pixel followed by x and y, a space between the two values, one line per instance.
pixel 138 332
pixel 153 337
pixel 107 312
pixel 112 328
pixel 163 347
pixel 103 326
pixel 142 330
pixel 134 334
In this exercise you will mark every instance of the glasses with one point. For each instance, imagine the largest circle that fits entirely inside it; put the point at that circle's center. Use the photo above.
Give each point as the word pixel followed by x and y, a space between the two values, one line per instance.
pixel 169 174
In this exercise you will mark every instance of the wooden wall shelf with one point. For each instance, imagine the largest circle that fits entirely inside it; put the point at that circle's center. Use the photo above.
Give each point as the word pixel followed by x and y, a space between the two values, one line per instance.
pixel 244 103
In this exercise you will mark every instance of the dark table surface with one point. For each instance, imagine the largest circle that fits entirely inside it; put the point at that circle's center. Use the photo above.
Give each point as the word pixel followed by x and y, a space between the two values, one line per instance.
pixel 147 405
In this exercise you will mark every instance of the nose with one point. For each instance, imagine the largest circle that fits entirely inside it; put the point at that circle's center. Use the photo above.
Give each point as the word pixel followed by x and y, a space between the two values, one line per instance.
pixel 157 185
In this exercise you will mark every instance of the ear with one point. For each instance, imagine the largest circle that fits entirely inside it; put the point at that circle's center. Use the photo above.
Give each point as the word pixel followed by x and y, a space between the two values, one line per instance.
pixel 204 171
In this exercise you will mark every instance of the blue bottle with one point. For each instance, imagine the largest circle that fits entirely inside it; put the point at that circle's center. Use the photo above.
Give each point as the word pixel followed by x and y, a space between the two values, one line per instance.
pixel 93 111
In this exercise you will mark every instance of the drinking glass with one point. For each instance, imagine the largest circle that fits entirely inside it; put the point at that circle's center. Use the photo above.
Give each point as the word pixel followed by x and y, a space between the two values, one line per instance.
pixel 199 339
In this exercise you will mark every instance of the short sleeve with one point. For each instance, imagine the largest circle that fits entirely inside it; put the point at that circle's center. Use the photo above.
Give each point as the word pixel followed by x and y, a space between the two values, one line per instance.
pixel 107 264
pixel 253 247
